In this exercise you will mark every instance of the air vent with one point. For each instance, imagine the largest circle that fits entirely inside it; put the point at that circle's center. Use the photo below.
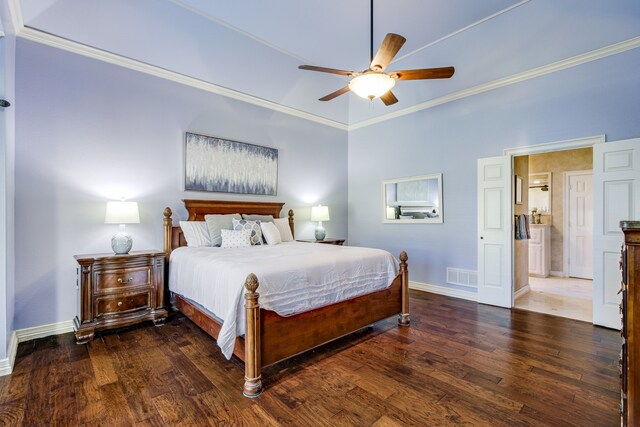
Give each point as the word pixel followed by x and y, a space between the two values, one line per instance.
pixel 462 277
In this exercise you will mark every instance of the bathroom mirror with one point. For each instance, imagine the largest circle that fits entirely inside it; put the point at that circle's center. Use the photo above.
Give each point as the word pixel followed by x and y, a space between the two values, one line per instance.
pixel 540 192
pixel 413 200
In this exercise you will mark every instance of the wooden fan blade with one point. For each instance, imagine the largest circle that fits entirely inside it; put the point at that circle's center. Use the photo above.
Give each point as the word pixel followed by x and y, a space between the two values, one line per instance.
pixel 335 94
pixel 425 73
pixel 389 98
pixel 326 70
pixel 388 49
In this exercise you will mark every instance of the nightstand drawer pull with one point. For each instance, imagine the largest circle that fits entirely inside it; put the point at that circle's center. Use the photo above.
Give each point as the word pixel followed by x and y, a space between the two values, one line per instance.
pixel 124 282
pixel 119 303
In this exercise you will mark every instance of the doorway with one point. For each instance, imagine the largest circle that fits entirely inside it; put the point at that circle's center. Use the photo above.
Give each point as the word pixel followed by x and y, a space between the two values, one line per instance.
pixel 616 189
pixel 553 268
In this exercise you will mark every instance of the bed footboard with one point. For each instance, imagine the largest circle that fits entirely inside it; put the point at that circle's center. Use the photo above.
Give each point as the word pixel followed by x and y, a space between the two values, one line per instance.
pixel 270 338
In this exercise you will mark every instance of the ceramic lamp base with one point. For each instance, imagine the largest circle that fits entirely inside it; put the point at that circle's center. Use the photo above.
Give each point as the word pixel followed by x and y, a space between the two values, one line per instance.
pixel 320 233
pixel 121 243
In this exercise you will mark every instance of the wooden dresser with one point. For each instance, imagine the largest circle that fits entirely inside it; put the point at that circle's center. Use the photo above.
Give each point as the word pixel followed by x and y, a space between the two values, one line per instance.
pixel 118 290
pixel 630 308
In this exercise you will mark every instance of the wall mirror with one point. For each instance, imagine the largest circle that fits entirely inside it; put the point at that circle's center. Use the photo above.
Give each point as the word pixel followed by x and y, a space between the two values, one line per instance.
pixel 413 200
pixel 540 192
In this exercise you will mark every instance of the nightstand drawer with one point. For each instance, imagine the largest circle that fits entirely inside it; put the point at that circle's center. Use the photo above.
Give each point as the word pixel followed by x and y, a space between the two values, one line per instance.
pixel 113 280
pixel 122 303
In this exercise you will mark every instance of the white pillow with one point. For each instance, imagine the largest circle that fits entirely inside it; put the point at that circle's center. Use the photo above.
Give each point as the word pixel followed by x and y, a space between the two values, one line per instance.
pixel 254 226
pixel 235 238
pixel 196 233
pixel 283 227
pixel 270 233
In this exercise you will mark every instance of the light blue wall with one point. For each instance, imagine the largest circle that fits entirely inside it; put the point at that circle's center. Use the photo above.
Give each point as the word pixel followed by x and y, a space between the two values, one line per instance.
pixel 601 97
pixel 88 132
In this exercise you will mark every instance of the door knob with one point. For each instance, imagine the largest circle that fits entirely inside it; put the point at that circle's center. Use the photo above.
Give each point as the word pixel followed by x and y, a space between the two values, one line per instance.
pixel 481 237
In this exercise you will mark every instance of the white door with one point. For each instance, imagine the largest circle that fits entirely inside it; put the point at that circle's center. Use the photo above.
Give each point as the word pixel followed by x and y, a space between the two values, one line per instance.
pixel 495 235
pixel 616 178
pixel 580 222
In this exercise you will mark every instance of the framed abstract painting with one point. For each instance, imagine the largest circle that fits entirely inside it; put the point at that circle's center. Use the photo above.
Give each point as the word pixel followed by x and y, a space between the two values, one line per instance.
pixel 225 166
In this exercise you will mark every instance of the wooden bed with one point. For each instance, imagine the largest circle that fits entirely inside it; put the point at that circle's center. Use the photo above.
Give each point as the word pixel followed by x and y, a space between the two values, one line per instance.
pixel 270 338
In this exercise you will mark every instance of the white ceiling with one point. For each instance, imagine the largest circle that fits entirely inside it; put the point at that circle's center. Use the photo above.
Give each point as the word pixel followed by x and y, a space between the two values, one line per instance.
pixel 254 47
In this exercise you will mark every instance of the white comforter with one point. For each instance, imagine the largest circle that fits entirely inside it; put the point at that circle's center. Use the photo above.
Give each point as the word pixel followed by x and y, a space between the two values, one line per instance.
pixel 294 277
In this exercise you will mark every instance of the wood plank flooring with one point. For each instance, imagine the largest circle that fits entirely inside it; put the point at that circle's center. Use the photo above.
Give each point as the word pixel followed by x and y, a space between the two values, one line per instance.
pixel 459 363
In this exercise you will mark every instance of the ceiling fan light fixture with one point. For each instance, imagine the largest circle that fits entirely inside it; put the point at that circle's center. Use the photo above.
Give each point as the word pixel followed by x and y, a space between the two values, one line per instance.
pixel 371 85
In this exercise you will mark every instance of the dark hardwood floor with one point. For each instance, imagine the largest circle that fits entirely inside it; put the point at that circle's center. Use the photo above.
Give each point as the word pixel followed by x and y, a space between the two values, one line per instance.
pixel 458 363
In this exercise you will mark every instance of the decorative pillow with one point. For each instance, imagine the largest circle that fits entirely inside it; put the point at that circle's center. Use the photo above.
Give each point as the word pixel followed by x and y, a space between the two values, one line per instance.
pixel 270 233
pixel 235 238
pixel 254 226
pixel 261 218
pixel 283 227
pixel 215 223
pixel 196 233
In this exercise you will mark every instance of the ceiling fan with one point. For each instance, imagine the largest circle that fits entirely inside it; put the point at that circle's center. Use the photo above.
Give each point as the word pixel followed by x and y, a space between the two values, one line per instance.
pixel 374 82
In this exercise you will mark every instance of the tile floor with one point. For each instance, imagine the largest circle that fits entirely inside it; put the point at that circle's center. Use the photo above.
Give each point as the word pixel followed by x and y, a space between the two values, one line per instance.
pixel 559 296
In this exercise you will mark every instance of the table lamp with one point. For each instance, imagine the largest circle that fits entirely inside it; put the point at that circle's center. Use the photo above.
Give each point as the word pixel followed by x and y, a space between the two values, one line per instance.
pixel 121 213
pixel 320 213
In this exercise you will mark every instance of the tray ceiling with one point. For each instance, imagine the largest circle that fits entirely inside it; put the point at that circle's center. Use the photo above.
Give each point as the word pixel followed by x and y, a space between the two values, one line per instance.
pixel 254 47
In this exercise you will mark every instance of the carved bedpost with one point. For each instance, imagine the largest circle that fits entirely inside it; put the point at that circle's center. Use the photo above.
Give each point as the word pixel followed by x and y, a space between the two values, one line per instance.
pixel 167 224
pixel 291 222
pixel 403 320
pixel 252 357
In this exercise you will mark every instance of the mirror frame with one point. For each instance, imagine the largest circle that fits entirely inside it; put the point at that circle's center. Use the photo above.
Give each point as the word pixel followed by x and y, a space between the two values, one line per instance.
pixel 438 220
pixel 548 174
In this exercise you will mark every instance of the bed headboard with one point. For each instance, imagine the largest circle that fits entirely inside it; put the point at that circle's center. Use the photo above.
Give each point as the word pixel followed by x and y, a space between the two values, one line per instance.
pixel 197 209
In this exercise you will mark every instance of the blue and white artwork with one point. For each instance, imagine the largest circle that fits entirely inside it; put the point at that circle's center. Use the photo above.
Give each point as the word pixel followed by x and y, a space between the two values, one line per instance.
pixel 224 166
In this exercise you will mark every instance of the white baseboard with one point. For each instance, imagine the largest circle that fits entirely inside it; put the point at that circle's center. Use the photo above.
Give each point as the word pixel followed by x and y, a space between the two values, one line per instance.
pixel 6 365
pixel 27 334
pixel 42 331
pixel 522 291
pixel 557 274
pixel 442 290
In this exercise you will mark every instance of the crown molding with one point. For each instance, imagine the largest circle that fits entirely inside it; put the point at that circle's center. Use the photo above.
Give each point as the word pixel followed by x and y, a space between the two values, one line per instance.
pixel 569 144
pixel 41 37
pixel 15 12
pixel 574 61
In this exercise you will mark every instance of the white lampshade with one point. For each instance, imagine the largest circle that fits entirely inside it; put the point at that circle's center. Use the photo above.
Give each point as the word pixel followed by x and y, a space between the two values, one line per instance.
pixel 319 213
pixel 122 213
pixel 371 85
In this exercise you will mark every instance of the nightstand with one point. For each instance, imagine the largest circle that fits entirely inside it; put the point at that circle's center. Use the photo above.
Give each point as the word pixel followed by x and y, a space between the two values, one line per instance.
pixel 118 290
pixel 339 242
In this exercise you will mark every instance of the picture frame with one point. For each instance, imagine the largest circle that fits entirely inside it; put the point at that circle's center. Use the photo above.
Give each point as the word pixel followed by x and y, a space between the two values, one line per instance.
pixel 221 165
pixel 518 190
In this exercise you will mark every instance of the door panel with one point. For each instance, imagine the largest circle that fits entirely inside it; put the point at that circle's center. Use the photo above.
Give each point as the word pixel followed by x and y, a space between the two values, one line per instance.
pixel 495 233
pixel 580 224
pixel 616 175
